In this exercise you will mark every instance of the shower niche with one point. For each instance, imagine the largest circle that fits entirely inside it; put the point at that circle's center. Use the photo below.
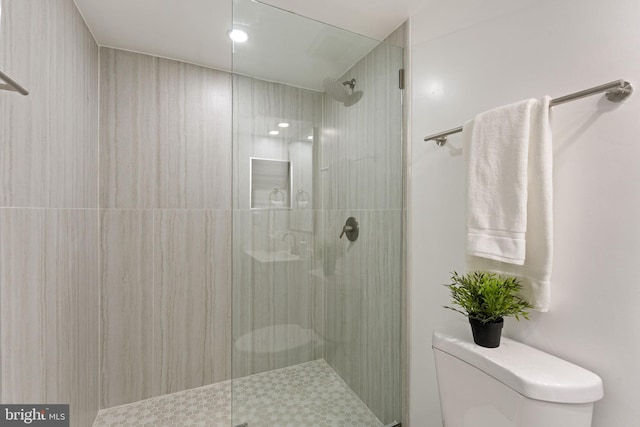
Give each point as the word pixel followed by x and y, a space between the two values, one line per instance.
pixel 270 183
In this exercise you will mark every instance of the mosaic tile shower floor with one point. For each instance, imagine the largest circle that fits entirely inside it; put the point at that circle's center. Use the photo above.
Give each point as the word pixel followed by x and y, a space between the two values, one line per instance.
pixel 306 395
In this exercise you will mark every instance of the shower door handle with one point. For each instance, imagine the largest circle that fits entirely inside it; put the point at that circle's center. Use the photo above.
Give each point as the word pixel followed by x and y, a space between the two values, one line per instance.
pixel 351 229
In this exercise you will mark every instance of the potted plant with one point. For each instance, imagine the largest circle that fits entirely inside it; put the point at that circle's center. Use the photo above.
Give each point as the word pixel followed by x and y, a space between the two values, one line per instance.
pixel 486 298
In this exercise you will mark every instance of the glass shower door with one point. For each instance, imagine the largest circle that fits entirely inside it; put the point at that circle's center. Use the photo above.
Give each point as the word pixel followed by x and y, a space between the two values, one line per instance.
pixel 317 139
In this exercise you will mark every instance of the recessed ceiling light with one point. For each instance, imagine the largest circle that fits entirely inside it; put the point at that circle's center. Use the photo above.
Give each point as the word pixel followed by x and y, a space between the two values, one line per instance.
pixel 310 137
pixel 283 125
pixel 274 132
pixel 238 36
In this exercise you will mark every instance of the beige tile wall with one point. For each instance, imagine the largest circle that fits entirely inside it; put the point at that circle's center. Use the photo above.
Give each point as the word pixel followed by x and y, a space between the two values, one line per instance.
pixel 347 296
pixel 275 316
pixel 191 298
pixel 362 143
pixel 163 235
pixel 361 282
pixel 49 225
pixel 49 154
pixel 165 134
pixel 258 107
pixel 165 195
pixel 126 327
pixel 274 300
pixel 362 155
pixel 48 301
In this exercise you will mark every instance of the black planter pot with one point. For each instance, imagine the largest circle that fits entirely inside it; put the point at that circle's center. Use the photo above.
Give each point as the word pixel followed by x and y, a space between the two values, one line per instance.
pixel 487 334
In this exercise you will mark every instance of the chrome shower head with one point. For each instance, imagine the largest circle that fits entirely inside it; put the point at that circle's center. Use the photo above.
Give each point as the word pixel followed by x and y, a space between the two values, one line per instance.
pixel 338 91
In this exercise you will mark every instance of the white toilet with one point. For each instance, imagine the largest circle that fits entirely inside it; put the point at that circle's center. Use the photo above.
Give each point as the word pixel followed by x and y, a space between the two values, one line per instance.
pixel 513 385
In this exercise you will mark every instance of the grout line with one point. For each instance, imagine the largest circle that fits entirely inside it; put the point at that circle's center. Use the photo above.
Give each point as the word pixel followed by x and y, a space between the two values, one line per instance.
pixel 153 306
pixel 46 208
pixel 99 199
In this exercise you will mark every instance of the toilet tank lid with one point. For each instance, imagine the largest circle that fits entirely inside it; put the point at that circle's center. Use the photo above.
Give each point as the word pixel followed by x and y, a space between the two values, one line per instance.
pixel 531 372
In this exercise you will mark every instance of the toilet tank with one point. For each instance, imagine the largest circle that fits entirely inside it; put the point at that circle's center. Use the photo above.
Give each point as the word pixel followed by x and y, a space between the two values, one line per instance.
pixel 513 385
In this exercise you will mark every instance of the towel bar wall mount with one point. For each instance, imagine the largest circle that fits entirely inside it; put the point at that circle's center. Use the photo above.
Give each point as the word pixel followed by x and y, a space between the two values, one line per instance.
pixel 616 91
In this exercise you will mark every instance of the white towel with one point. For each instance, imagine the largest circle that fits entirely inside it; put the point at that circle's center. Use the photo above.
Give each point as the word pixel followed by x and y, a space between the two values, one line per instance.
pixel 497 167
pixel 509 195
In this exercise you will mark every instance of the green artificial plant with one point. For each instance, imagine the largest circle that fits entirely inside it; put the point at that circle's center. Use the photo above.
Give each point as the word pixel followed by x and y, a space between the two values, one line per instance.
pixel 487 297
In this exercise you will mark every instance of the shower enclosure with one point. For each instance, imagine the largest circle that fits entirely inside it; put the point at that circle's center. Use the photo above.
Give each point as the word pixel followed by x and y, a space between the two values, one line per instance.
pixel 133 286
pixel 317 224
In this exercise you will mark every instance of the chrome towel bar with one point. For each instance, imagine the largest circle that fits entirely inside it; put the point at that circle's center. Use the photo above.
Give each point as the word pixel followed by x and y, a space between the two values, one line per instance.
pixel 616 91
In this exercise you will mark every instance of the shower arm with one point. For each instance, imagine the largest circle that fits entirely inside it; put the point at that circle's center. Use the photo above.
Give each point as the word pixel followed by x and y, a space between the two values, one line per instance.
pixel 351 83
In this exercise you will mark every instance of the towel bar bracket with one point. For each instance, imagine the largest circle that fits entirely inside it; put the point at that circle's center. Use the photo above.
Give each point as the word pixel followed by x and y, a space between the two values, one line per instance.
pixel 620 94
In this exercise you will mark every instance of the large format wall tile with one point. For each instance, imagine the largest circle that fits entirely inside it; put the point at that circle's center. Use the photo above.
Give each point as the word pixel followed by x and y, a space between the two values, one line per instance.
pixel 363 307
pixel 194 157
pixel 192 294
pixel 398 37
pixel 126 309
pixel 258 107
pixel 129 129
pixel 48 140
pixel 274 299
pixel 165 133
pixel 362 143
pixel 166 302
pixel 274 312
pixel 49 262
pixel 49 309
pixel 165 147
pixel 362 175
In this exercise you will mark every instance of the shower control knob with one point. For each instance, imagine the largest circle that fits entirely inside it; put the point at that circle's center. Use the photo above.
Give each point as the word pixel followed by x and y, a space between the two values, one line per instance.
pixel 345 229
pixel 351 229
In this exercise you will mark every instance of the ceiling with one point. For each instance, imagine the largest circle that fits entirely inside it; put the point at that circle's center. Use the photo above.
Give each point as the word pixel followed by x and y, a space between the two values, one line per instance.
pixel 195 31
pixel 288 48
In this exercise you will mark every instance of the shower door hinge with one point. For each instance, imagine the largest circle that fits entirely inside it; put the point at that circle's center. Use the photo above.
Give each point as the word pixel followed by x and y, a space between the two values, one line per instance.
pixel 401 78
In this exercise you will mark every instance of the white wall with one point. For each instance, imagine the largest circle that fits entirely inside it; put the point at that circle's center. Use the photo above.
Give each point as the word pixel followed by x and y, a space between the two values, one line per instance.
pixel 466 60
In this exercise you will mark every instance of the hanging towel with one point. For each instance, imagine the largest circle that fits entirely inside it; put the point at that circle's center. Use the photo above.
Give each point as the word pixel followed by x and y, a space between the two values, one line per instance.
pixel 508 154
pixel 497 168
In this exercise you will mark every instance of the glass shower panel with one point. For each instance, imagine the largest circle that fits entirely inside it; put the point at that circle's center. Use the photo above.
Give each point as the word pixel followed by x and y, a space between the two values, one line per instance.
pixel 317 139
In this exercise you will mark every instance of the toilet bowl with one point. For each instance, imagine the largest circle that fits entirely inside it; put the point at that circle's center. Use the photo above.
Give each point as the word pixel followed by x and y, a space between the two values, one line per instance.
pixel 513 385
